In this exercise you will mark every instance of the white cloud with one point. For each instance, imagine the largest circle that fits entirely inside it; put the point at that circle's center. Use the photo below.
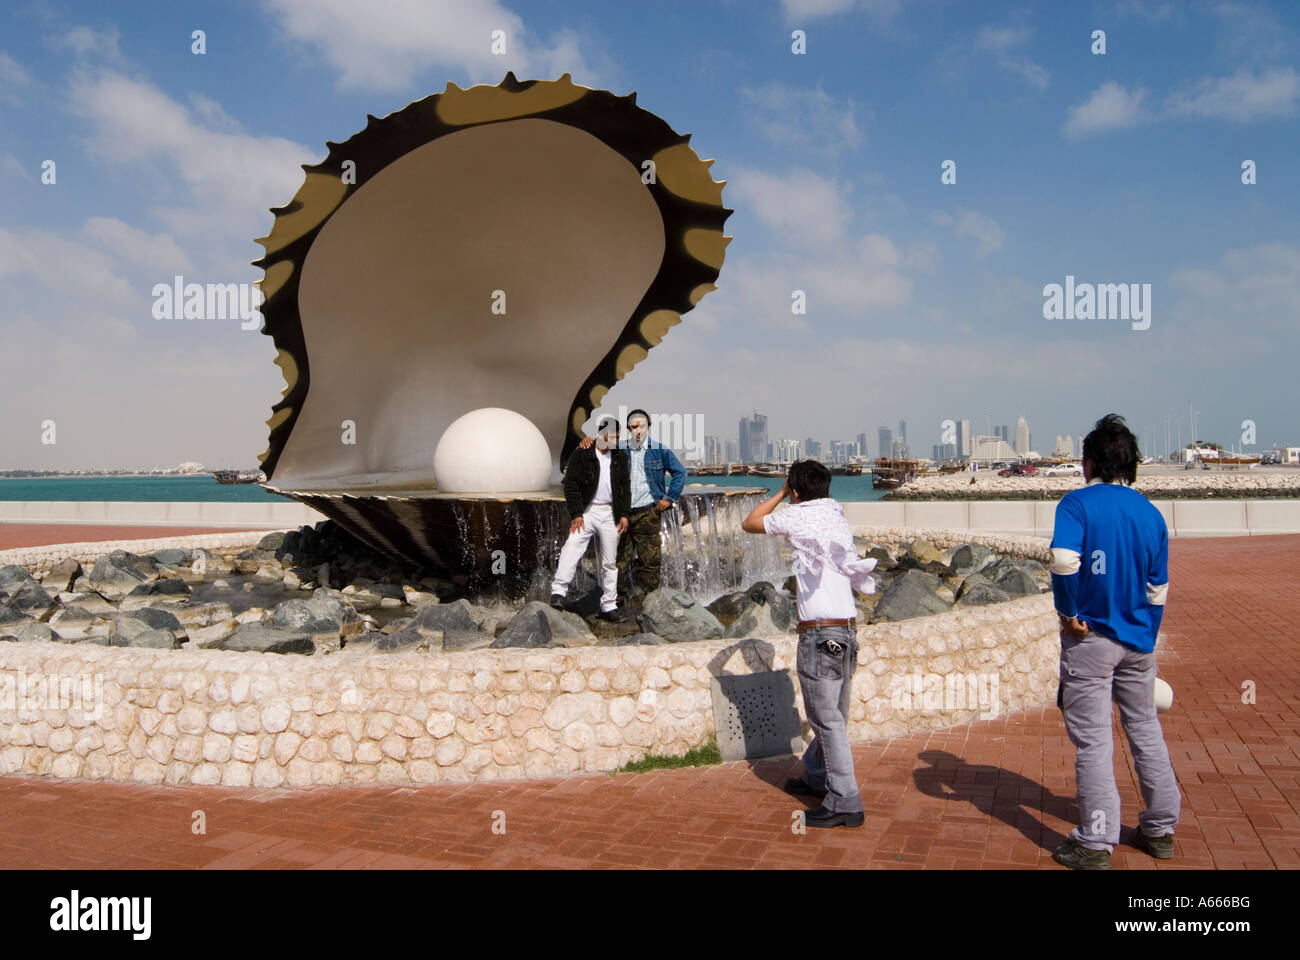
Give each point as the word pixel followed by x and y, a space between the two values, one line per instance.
pixel 10 166
pixel 14 79
pixel 389 46
pixel 157 252
pixel 1242 97
pixel 1257 288
pixel 803 209
pixel 983 230
pixel 803 118
pixel 213 186
pixel 1003 44
pixel 805 10
pixel 1109 107
pixel 67 266
pixel 1250 31
pixel 86 40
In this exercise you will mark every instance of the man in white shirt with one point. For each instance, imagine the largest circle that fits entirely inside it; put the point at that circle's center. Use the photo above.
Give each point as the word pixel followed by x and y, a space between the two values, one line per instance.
pixel 597 491
pixel 828 570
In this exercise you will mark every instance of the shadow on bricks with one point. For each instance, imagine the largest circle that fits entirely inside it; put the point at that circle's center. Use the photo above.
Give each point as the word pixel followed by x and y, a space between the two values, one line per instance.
pixel 996 792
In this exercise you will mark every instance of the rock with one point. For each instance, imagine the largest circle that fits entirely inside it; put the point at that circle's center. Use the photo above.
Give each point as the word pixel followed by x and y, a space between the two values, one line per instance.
pixel 971 558
pixel 258 638
pixel 12 577
pixel 914 594
pixel 172 557
pixel 120 572
pixel 30 599
pixel 88 600
pixel 62 574
pixel 194 615
pixel 419 598
pixel 369 596
pixel 410 638
pixel 884 559
pixel 9 613
pixel 460 615
pixel 1018 578
pixel 290 614
pixel 28 631
pixel 791 585
pixel 148 593
pixel 155 639
pixel 160 619
pixel 394 625
pixel 74 623
pixel 923 555
pixel 766 612
pixel 213 635
pixel 729 606
pixel 980 593
pixel 291 581
pixel 539 624
pixel 326 604
pixel 677 617
pixel 272 541
pixel 209 564
pixel 127 630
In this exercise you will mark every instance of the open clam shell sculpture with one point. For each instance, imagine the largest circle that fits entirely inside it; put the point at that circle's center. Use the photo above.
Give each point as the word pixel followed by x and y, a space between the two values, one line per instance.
pixel 504 252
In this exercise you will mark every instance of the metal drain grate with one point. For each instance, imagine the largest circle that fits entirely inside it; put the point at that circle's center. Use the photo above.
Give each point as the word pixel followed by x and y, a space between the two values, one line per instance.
pixel 754 715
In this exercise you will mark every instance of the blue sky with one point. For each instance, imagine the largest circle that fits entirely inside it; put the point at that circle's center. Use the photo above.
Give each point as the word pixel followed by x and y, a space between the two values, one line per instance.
pixel 924 300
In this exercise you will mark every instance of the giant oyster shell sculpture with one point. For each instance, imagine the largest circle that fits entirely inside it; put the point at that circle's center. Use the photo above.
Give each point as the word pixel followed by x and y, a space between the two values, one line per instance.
pixel 520 246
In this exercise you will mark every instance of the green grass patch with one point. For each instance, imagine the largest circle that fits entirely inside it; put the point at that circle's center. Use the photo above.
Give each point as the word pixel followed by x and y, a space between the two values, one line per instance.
pixel 695 757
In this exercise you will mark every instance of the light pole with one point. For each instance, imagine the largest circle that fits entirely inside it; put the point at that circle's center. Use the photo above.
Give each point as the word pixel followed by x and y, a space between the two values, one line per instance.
pixel 1180 433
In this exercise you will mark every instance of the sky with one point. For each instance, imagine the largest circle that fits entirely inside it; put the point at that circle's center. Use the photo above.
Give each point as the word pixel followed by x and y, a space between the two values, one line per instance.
pixel 924 299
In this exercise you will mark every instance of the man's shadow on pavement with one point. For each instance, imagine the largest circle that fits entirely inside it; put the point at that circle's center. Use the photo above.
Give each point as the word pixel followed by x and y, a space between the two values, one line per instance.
pixel 1011 798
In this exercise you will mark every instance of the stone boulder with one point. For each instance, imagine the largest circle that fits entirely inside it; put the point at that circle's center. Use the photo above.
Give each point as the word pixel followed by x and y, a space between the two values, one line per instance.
pixel 260 638
pixel 161 619
pixel 923 555
pixel 172 557
pixel 146 594
pixel 677 617
pixel 1020 578
pixel 971 558
pixel 30 599
pixel 541 625
pixel 119 572
pixel 913 594
pixel 28 631
pixel 768 613
pixel 12 577
pixel 460 615
pixel 367 596
pixel 127 630
pixel 978 591
pixel 272 541
pixel 62 575
pixel 75 623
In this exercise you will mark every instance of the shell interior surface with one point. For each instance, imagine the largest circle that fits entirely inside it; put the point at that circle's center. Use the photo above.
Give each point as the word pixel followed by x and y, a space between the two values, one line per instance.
pixel 500 246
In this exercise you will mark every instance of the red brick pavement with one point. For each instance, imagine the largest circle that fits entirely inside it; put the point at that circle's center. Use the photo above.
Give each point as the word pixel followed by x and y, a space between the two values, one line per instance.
pixel 14 535
pixel 995 794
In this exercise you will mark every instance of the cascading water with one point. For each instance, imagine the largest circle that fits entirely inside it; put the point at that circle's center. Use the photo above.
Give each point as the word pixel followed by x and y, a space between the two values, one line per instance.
pixel 710 555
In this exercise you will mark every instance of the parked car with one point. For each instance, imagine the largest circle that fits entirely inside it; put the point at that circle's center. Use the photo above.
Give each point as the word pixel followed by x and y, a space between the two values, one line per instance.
pixel 1019 470
pixel 1065 470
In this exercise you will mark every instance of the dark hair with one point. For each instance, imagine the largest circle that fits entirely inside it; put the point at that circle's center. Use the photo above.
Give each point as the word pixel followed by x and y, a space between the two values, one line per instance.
pixel 637 413
pixel 810 479
pixel 1113 450
pixel 606 422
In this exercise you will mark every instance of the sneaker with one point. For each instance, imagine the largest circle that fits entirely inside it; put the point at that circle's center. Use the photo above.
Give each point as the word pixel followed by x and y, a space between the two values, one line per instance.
pixel 821 817
pixel 1077 857
pixel 559 602
pixel 613 616
pixel 1162 848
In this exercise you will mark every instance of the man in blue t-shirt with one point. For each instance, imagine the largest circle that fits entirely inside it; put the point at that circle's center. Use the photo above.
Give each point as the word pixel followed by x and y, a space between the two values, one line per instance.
pixel 1110 560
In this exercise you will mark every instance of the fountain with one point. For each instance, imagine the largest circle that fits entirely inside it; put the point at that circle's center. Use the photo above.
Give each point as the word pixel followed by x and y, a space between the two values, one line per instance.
pixel 452 292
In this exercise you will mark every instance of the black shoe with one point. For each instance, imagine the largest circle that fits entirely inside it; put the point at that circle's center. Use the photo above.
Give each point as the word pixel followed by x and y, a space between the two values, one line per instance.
pixel 821 817
pixel 613 616
pixel 1162 848
pixel 801 788
pixel 1071 854
pixel 559 602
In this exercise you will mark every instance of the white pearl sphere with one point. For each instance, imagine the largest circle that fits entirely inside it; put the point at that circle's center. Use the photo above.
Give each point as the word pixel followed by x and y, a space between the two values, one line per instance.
pixel 1164 696
pixel 492 450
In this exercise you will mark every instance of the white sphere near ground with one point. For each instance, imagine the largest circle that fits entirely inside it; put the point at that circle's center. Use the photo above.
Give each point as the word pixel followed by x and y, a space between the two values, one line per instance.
pixel 492 450
pixel 1164 696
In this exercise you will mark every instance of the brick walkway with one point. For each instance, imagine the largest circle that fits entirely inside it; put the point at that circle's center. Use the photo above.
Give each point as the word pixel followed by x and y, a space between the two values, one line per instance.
pixel 14 535
pixel 997 794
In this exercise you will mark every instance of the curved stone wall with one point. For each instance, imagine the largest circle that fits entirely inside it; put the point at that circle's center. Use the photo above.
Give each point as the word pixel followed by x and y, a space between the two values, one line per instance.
pixel 220 717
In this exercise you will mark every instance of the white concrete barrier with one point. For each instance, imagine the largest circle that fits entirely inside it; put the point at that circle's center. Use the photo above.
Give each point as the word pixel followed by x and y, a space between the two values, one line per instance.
pixel 268 515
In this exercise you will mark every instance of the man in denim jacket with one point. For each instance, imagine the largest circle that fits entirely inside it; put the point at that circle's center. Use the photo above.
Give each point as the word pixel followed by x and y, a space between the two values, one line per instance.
pixel 649 461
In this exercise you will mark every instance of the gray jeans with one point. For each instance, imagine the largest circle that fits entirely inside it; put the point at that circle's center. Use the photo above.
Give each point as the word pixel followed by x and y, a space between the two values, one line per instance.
pixel 1091 669
pixel 826 679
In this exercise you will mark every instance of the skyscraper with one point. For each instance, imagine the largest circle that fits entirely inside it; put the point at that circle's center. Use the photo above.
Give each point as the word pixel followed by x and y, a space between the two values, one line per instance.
pixel 1022 436
pixel 731 451
pixel 712 451
pixel 743 443
pixel 963 438
pixel 885 445
pixel 862 444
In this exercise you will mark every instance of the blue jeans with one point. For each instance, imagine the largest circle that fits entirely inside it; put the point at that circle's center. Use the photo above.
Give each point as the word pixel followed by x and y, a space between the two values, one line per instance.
pixel 826 678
